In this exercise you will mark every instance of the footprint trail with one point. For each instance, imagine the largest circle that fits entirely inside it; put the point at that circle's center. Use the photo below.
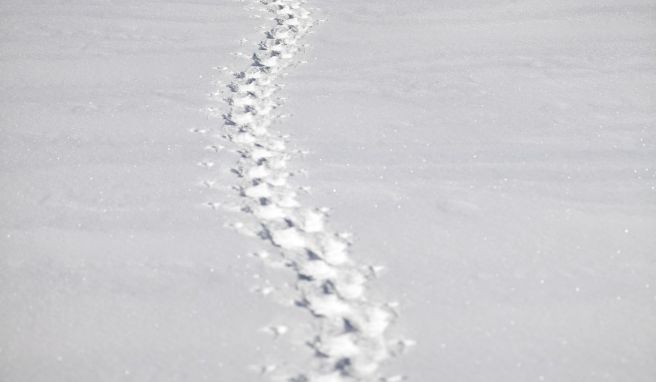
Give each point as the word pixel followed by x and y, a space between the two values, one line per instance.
pixel 349 343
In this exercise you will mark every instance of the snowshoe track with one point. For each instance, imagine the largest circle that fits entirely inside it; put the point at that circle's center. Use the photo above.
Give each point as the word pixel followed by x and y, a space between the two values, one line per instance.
pixel 350 342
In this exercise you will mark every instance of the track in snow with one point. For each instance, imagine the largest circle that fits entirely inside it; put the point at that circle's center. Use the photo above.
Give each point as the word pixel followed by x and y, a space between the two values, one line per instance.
pixel 350 342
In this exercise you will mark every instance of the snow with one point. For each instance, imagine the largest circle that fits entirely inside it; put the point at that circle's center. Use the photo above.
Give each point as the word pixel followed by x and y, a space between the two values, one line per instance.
pixel 494 158
pixel 497 157
pixel 112 265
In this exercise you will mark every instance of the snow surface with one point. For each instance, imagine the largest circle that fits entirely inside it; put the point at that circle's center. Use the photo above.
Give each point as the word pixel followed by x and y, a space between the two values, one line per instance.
pixel 493 159
pixel 112 267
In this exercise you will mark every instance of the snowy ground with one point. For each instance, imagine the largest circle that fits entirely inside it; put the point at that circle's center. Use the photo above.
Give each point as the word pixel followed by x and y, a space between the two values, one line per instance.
pixel 496 157
pixel 111 266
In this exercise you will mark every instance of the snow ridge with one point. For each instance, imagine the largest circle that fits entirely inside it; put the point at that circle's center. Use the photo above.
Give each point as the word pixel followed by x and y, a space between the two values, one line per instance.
pixel 350 342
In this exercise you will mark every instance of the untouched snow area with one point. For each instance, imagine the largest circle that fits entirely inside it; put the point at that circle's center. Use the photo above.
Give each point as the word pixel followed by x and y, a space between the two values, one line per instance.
pixel 487 168
pixel 498 158
pixel 112 267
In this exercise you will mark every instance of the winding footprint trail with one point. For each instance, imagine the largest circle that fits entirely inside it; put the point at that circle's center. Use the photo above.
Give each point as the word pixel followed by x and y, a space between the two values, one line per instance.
pixel 350 341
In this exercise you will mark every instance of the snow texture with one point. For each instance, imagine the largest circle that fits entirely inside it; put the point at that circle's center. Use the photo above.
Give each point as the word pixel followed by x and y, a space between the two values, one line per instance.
pixel 327 191
pixel 349 341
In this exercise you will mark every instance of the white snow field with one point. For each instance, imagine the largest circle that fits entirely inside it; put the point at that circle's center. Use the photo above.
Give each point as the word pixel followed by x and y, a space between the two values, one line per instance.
pixel 112 267
pixel 331 191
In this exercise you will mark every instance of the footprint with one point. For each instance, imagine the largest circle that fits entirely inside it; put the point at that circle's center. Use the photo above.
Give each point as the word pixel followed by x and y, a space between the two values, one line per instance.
pixel 206 164
pixel 395 378
pixel 208 183
pixel 328 305
pixel 313 220
pixel 334 251
pixel 402 346
pixel 215 148
pixel 213 205
pixel 337 347
pixel 275 330
pixel 264 369
pixel 317 270
pixel 289 238
pixel 270 212
pixel 261 190
pixel 263 290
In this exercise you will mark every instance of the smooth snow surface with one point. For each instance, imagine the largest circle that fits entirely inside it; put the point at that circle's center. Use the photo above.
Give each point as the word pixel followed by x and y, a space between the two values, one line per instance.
pixel 112 266
pixel 498 158
pixel 328 190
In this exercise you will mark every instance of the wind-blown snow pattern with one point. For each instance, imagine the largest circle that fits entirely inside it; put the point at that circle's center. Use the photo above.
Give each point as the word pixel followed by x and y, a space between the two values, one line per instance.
pixel 350 342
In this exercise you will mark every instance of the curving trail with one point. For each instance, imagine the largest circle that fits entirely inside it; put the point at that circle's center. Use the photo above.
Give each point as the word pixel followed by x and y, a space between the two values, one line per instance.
pixel 350 342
